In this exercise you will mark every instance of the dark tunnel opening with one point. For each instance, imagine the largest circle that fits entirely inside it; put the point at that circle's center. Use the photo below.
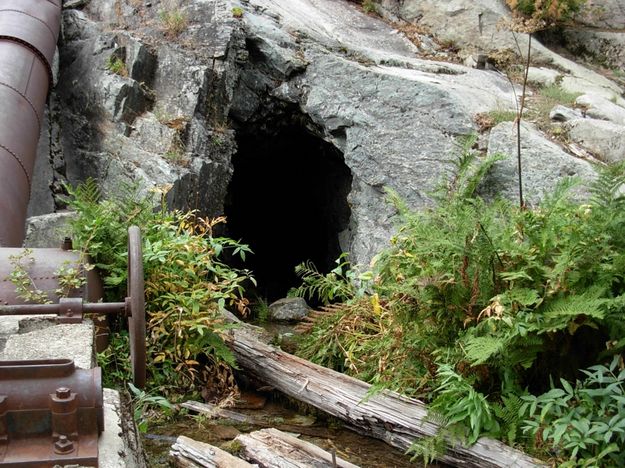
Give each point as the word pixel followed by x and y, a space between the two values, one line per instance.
pixel 288 201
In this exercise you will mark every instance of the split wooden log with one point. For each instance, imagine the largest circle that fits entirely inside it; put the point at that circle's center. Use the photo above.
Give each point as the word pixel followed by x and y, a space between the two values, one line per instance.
pixel 214 411
pixel 388 416
pixel 271 447
pixel 189 453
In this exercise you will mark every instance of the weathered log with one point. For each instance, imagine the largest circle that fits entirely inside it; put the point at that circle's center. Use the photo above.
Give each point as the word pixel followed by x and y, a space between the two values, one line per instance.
pixel 271 447
pixel 189 453
pixel 388 416
pixel 214 411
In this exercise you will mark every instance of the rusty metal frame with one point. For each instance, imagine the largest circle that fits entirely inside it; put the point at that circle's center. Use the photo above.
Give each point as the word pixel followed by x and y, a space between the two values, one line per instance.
pixel 51 413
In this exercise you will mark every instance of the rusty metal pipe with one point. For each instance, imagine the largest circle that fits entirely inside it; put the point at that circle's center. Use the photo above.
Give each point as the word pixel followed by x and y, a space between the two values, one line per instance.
pixel 116 308
pixel 28 33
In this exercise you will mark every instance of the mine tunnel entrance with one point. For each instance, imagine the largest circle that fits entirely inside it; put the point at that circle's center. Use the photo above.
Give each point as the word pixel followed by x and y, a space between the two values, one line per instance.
pixel 288 201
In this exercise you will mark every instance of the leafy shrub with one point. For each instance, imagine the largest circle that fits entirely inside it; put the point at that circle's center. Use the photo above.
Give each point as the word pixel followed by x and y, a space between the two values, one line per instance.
pixel 186 284
pixel 552 10
pixel 480 302
pixel 586 421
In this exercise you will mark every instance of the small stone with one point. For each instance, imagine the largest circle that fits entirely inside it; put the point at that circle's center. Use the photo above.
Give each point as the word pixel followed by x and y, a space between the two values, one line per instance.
pixel 563 114
pixel 289 309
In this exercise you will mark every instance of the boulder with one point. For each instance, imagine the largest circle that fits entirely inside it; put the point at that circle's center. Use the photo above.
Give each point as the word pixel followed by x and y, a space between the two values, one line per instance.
pixel 605 47
pixel 608 14
pixel 562 113
pixel 544 163
pixel 600 108
pixel 48 230
pixel 289 309
pixel 543 76
pixel 606 140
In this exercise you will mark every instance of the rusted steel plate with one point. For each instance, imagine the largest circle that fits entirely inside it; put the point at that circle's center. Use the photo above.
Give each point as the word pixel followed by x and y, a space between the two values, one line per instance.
pixel 50 413
pixel 42 266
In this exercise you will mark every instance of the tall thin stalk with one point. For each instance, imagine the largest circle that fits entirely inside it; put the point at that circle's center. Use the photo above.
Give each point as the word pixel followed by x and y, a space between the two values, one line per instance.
pixel 518 121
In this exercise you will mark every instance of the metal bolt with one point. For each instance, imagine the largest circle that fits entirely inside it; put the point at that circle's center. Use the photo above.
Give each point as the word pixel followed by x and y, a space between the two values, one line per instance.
pixel 63 392
pixel 63 445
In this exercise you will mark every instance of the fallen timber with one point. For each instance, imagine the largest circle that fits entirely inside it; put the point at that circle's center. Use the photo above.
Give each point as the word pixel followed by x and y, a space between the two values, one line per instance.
pixel 393 418
pixel 266 447
pixel 189 453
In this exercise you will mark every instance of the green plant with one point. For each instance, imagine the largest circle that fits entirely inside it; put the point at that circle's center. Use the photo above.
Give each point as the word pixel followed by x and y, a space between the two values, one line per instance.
pixel 25 286
pixel 499 116
pixel 261 310
pixel 144 404
pixel 549 10
pixel 174 21
pixel 369 6
pixel 530 17
pixel 237 12
pixel 187 286
pixel 176 152
pixel 116 65
pixel 70 277
pixel 340 284
pixel 585 421
pixel 476 304
pixel 115 361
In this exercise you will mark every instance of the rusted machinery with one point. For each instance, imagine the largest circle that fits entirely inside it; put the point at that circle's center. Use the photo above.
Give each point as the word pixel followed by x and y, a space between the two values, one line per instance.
pixel 50 412
pixel 53 419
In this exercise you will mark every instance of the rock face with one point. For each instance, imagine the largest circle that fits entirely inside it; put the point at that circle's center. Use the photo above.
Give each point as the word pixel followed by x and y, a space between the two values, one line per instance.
pixel 543 164
pixel 138 102
pixel 603 14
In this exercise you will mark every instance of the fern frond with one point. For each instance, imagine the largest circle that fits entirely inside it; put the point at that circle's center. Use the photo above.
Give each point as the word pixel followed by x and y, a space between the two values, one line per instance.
pixel 428 449
pixel 560 312
pixel 479 349
pixel 508 414
pixel 607 189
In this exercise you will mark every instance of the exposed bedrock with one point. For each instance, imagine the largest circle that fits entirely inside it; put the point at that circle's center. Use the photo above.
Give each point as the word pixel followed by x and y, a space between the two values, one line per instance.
pixel 299 105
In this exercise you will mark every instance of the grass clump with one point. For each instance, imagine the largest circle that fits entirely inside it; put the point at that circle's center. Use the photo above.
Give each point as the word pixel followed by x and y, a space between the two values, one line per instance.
pixel 545 99
pixel 237 12
pixel 174 21
pixel 187 285
pixel 116 65
pixel 478 306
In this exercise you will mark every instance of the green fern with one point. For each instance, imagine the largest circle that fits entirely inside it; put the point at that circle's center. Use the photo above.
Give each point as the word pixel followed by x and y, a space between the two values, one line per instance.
pixel 508 414
pixel 606 190
pixel 428 449
pixel 479 349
